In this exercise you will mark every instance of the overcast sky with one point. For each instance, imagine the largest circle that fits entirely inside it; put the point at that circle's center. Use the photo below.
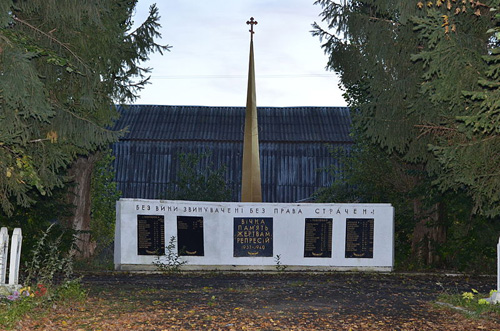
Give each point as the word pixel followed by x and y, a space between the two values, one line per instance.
pixel 208 63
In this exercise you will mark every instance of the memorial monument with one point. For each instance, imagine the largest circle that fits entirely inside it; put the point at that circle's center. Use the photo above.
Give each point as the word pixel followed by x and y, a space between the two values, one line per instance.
pixel 249 235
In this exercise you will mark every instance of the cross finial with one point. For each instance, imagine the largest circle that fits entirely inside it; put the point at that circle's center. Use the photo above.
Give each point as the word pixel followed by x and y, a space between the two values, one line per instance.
pixel 252 22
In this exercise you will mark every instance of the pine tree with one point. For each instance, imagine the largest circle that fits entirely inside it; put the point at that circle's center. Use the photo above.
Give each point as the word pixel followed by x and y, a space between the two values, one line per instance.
pixel 63 65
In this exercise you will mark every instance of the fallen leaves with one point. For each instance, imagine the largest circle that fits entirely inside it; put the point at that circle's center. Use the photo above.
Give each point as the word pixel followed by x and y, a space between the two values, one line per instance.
pixel 325 302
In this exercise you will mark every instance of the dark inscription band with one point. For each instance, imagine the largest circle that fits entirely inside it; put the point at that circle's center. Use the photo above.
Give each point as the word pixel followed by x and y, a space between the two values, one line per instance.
pixel 150 235
pixel 190 235
pixel 318 237
pixel 253 236
pixel 359 238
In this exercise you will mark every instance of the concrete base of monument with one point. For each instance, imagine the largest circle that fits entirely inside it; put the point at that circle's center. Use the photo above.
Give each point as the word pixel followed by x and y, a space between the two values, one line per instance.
pixel 257 268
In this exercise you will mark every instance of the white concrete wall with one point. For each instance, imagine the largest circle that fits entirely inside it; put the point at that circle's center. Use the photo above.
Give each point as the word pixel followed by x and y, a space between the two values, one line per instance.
pixel 288 234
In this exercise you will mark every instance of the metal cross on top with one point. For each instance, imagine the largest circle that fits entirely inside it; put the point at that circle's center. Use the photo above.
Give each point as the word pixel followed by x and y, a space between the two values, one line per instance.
pixel 252 22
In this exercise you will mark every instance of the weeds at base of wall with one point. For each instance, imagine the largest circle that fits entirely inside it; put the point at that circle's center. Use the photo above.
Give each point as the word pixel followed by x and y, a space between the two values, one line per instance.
pixel 170 263
pixel 280 267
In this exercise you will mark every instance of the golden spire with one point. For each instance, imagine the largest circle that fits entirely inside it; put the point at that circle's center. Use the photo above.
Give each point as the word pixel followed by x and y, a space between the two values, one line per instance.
pixel 251 190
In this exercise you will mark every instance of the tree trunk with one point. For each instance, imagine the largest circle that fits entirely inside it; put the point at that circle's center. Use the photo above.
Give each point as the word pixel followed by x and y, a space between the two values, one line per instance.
pixel 428 233
pixel 79 196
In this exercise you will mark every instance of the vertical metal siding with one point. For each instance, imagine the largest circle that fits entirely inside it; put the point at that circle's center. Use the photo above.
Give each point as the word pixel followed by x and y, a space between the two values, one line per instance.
pixel 293 147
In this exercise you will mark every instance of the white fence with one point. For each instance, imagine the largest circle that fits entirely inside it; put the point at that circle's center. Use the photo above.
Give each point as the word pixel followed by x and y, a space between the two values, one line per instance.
pixel 15 256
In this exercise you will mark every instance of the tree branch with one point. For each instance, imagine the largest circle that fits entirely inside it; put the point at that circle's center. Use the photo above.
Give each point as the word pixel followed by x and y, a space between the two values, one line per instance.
pixel 52 39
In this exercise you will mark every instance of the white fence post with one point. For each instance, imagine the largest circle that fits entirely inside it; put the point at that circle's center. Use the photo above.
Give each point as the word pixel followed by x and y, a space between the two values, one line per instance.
pixel 4 249
pixel 498 265
pixel 495 297
pixel 15 256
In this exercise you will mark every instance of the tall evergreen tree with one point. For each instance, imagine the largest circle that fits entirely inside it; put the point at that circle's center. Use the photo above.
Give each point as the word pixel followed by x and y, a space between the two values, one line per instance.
pixel 405 66
pixel 63 66
pixel 471 156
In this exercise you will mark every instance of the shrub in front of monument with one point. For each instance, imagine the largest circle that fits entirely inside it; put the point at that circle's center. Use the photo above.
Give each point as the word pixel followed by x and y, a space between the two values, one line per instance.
pixel 170 262
pixel 198 180
pixel 280 267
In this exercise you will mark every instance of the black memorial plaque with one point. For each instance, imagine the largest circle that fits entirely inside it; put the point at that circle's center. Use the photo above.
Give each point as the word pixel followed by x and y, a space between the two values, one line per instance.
pixel 150 235
pixel 190 235
pixel 318 237
pixel 253 236
pixel 359 238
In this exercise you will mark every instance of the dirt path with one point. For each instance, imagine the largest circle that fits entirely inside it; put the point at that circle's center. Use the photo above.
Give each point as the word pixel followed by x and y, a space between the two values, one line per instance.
pixel 291 301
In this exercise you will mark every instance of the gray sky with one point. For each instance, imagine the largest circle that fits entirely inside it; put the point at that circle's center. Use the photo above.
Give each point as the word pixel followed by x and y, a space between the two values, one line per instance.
pixel 208 63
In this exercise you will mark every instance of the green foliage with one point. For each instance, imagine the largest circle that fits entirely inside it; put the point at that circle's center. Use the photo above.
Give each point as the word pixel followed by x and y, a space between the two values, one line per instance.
pixel 48 261
pixel 409 96
pixel 171 263
pixel 104 194
pixel 473 161
pixel 425 115
pixel 34 221
pixel 473 303
pixel 13 311
pixel 63 65
pixel 460 76
pixel 198 181
pixel 369 176
pixel 44 288
pixel 471 238
pixel 37 300
pixel 280 267
pixel 70 291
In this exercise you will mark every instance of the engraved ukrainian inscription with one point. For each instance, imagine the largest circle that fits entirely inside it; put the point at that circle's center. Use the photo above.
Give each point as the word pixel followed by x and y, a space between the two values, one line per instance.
pixel 359 238
pixel 253 236
pixel 150 235
pixel 318 237
pixel 190 235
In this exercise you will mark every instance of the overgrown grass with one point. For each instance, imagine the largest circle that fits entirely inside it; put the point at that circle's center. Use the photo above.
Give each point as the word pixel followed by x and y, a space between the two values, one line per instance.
pixel 37 302
pixel 12 312
pixel 48 282
pixel 472 304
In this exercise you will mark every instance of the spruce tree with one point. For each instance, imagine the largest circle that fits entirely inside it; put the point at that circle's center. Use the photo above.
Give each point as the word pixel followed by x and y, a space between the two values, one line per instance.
pixel 471 158
pixel 64 64
pixel 405 66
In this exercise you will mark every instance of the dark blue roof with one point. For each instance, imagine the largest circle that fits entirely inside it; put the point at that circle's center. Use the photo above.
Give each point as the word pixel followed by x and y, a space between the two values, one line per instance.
pixel 298 124
pixel 294 145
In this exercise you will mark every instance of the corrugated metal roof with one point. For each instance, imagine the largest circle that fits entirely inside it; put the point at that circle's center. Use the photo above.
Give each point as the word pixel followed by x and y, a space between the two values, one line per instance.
pixel 298 124
pixel 293 146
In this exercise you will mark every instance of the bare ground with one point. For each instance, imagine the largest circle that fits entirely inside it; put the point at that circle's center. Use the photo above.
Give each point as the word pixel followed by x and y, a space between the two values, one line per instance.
pixel 255 301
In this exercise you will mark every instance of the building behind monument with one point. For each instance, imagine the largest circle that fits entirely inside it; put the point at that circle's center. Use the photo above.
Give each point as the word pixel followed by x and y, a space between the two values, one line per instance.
pixel 295 147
